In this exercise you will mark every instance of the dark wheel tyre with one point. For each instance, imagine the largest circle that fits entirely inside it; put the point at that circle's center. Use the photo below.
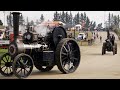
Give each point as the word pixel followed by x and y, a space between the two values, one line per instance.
pixel 22 66
pixel 115 48
pixel 104 44
pixel 6 65
pixel 103 48
pixel 43 68
pixel 103 51
pixel 67 55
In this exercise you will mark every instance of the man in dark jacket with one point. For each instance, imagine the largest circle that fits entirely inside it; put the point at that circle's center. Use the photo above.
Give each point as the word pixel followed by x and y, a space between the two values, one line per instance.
pixel 112 39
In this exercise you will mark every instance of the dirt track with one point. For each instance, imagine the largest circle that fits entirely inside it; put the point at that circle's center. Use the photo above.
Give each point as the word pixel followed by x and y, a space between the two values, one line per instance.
pixel 93 65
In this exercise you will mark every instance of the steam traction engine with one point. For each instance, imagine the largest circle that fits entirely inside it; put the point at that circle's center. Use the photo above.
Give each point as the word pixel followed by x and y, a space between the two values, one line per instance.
pixel 108 45
pixel 42 51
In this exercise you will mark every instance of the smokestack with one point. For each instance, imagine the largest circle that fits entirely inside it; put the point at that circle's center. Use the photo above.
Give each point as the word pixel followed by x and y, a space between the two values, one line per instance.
pixel 16 24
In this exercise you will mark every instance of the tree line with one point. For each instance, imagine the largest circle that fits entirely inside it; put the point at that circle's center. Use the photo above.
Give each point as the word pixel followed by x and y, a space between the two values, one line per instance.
pixel 79 18
pixel 67 18
pixel 113 21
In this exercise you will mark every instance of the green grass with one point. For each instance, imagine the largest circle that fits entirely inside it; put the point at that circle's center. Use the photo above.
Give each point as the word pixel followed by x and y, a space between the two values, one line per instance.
pixel 2 51
pixel 7 58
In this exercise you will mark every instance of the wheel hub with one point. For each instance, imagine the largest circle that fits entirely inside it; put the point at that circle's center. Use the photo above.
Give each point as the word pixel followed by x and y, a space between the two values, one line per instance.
pixel 23 66
pixel 8 64
pixel 12 49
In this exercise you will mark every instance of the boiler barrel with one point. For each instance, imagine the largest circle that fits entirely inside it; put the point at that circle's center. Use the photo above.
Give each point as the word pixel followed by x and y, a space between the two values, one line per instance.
pixel 17 48
pixel 22 47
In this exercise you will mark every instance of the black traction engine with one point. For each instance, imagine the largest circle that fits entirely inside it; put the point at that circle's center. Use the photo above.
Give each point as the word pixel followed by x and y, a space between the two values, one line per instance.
pixel 109 44
pixel 42 51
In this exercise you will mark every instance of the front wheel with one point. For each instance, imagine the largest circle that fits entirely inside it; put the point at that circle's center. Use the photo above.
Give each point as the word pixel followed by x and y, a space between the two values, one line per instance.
pixel 22 66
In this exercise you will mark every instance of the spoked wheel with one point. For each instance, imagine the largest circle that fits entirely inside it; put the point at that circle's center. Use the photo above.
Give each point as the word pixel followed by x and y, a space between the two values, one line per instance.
pixel 67 55
pixel 6 65
pixel 22 66
pixel 43 68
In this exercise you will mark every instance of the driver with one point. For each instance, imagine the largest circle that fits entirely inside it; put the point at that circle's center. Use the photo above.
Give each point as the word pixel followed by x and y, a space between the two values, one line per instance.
pixel 112 39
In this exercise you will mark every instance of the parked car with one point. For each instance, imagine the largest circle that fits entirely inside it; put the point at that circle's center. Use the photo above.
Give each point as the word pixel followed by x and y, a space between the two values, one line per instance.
pixel 81 36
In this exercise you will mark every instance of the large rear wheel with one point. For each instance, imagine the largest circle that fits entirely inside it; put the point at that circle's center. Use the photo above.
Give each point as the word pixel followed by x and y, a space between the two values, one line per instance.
pixel 67 55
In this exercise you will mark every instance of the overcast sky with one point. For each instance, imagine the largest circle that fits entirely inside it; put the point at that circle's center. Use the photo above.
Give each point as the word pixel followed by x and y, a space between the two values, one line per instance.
pixel 98 16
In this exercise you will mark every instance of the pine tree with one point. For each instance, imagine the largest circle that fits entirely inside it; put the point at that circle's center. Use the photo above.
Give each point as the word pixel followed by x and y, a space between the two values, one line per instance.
pixel 81 17
pixel 118 21
pixel 87 23
pixel 71 18
pixel 84 17
pixel 1 23
pixel 78 18
pixel 9 19
pixel 112 20
pixel 91 25
pixel 109 19
pixel 55 16
pixel 32 23
pixel 63 17
pixel 99 26
pixel 37 22
pixel 21 20
pixel 41 18
pixel 66 18
pixel 60 16
pixel 115 20
pixel 94 25
pixel 75 20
